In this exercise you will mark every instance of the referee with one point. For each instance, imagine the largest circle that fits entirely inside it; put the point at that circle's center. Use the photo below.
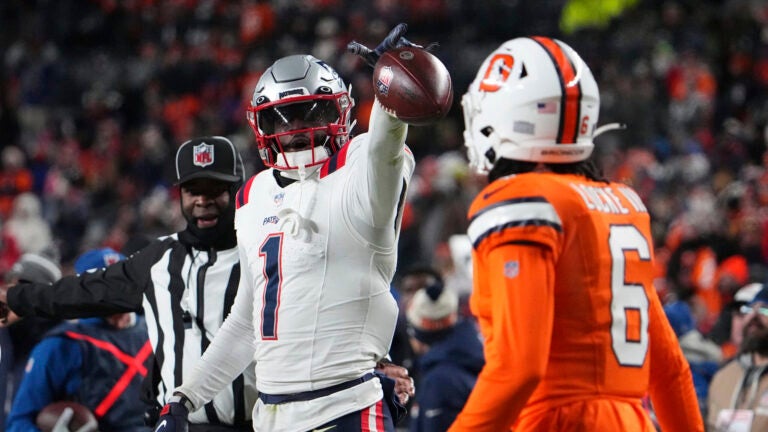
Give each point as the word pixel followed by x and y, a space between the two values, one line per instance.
pixel 185 282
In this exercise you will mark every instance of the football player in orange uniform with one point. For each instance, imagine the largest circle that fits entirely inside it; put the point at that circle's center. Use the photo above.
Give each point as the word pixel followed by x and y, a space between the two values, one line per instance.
pixel 574 331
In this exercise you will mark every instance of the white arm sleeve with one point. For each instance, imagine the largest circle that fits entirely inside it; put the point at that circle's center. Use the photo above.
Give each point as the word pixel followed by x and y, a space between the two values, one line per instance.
pixel 231 350
pixel 386 138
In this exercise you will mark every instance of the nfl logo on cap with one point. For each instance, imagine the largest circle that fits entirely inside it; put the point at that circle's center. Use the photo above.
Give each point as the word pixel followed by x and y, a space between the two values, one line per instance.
pixel 202 155
pixel 211 157
pixel 112 257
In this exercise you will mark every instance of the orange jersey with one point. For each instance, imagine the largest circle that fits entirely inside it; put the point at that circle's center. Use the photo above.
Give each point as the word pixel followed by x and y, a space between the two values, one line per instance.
pixel 563 291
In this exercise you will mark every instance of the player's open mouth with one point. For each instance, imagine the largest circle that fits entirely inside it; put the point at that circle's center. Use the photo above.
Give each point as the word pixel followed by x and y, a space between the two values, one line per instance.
pixel 297 144
pixel 207 221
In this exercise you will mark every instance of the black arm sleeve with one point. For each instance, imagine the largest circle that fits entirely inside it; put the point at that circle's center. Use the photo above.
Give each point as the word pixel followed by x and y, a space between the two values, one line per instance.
pixel 116 289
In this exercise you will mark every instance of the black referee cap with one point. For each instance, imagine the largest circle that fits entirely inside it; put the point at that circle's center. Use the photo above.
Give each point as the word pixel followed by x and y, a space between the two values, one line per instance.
pixel 213 157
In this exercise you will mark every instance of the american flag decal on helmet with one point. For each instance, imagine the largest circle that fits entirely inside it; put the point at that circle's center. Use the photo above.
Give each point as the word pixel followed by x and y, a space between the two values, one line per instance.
pixel 570 90
pixel 384 80
pixel 546 107
pixel 202 155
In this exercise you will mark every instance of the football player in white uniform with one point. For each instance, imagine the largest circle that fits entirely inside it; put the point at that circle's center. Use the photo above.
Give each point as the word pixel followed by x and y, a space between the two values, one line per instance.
pixel 318 236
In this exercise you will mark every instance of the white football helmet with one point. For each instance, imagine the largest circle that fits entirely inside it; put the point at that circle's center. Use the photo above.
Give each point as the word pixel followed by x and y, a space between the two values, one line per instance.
pixel 299 98
pixel 533 99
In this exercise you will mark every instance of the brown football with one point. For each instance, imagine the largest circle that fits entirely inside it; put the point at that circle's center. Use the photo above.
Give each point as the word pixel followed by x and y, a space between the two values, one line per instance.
pixel 48 416
pixel 413 85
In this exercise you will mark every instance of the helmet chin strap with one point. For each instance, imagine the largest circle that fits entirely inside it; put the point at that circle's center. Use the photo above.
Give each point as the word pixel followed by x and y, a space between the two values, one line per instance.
pixel 608 127
pixel 301 159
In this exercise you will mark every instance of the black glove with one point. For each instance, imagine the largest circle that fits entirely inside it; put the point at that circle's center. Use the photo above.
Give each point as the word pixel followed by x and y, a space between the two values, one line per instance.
pixel 173 416
pixel 394 39
pixel 4 311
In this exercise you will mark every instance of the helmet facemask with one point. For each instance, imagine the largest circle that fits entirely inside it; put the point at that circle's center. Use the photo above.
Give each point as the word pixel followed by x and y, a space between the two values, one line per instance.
pixel 303 131
pixel 300 113
pixel 479 151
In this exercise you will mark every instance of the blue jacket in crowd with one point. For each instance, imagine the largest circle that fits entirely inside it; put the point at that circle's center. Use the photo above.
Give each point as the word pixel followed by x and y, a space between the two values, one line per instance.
pixel 88 362
pixel 447 372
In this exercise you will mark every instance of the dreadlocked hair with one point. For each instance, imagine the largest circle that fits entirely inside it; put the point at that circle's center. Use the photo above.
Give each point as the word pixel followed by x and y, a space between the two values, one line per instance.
pixel 587 168
pixel 504 167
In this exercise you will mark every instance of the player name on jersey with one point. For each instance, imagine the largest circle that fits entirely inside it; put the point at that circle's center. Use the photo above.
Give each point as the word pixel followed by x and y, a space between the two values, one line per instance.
pixel 604 199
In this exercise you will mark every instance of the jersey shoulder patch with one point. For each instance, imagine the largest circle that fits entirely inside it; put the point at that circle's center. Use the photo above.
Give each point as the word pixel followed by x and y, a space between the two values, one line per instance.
pixel 514 209
pixel 521 187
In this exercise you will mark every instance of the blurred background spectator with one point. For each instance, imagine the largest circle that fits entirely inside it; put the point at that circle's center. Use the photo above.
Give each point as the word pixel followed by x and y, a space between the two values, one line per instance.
pixel 736 392
pixel 703 355
pixel 448 353
pixel 18 339
pixel 728 332
pixel 98 362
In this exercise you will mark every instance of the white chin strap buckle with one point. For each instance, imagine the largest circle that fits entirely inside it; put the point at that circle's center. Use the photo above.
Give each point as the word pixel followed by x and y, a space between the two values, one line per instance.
pixel 608 127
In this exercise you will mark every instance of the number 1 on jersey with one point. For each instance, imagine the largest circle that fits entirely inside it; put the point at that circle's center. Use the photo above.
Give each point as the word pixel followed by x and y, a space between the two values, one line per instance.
pixel 271 252
pixel 628 299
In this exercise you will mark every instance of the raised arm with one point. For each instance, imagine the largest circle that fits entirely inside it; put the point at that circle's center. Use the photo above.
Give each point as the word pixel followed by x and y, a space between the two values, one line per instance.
pixel 386 176
pixel 389 164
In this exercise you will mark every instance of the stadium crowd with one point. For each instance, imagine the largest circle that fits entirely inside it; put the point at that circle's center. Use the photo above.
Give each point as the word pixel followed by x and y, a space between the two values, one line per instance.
pixel 96 95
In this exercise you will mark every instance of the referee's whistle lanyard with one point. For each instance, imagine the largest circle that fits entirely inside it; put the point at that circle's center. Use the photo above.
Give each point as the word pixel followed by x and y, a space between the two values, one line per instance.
pixel 201 272
pixel 752 377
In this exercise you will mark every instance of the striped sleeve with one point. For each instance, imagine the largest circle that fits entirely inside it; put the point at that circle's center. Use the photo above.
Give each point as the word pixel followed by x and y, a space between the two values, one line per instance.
pixel 335 162
pixel 532 219
pixel 243 193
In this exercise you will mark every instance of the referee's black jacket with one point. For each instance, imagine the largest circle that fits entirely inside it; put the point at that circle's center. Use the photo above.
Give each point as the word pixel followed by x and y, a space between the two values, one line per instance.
pixel 186 290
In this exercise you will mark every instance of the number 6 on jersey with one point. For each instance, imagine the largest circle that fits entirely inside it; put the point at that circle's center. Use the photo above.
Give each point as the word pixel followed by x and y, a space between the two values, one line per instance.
pixel 629 303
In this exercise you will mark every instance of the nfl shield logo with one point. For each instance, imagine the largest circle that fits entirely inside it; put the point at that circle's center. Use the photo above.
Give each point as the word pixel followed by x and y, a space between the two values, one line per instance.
pixel 111 258
pixel 511 269
pixel 384 80
pixel 278 199
pixel 202 155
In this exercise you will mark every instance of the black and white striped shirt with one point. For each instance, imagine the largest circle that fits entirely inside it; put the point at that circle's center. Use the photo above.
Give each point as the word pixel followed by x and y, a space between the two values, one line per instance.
pixel 186 292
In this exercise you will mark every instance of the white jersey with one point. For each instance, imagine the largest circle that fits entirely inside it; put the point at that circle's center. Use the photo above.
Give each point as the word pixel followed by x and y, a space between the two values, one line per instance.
pixel 317 259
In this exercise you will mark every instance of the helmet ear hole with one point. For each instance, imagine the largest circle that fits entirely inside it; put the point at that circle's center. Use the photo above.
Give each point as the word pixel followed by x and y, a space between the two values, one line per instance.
pixel 523 71
pixel 491 155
